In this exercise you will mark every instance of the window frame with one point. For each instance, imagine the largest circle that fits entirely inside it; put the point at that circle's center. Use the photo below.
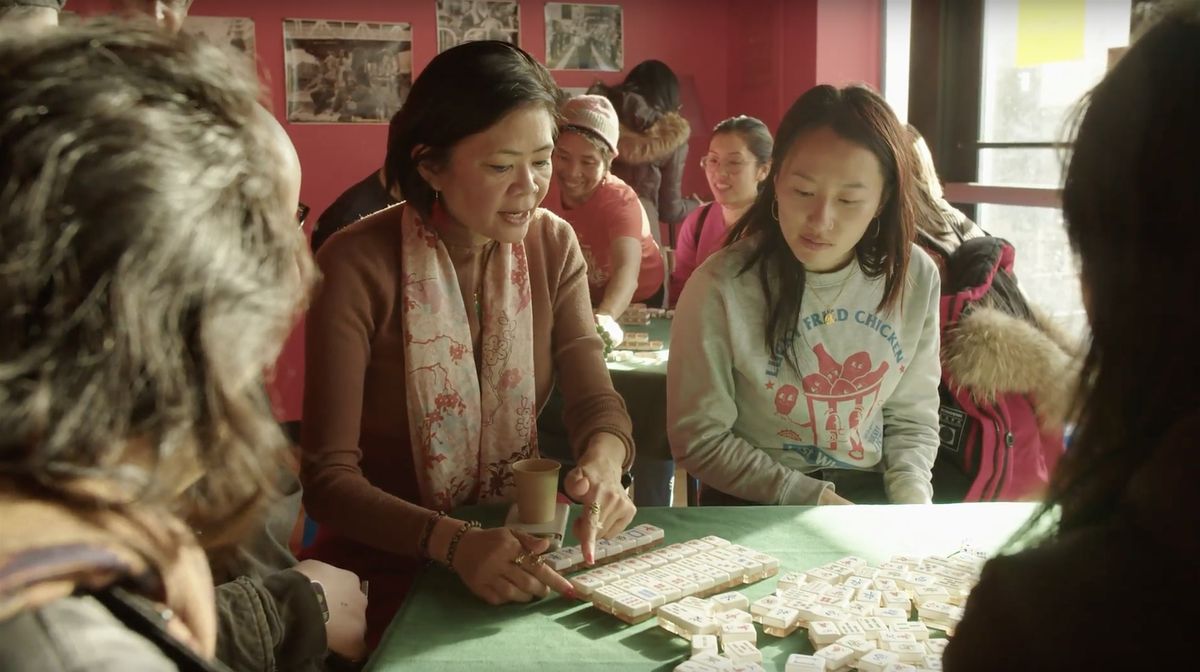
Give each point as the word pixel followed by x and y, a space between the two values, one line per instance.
pixel 945 105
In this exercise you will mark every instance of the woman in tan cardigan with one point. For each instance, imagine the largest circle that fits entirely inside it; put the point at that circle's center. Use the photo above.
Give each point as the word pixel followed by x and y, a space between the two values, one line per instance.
pixel 439 331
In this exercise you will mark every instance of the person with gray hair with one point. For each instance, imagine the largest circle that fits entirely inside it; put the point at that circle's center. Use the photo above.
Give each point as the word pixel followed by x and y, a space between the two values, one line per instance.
pixel 152 268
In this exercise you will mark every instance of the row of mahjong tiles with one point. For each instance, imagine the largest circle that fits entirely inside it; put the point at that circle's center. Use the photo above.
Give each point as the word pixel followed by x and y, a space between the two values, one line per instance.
pixel 857 616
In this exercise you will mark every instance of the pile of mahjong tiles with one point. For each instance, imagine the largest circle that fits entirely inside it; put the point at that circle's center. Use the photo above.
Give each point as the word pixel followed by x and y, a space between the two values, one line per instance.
pixel 634 587
pixel 856 616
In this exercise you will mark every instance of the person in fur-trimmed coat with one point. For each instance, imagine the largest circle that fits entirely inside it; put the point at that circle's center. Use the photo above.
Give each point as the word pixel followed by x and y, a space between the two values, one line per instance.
pixel 653 142
pixel 993 351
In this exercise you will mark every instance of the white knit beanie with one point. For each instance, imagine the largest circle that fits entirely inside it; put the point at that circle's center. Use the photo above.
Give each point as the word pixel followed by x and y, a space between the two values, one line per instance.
pixel 594 114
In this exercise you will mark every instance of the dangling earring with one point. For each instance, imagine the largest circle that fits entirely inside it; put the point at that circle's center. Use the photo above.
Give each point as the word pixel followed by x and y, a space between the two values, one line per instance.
pixel 436 195
pixel 775 209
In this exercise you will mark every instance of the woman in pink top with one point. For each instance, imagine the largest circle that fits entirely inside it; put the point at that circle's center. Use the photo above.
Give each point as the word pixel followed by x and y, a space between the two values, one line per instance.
pixel 738 160
pixel 623 259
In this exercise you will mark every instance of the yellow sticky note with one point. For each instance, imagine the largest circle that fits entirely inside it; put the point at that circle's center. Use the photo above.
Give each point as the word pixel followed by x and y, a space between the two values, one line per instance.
pixel 1049 31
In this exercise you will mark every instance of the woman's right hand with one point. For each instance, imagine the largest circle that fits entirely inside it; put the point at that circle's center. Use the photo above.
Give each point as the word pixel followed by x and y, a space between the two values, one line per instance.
pixel 485 560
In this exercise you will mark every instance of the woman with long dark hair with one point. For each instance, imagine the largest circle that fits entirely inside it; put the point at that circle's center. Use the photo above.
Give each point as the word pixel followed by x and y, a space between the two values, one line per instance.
pixel 654 140
pixel 1120 524
pixel 804 355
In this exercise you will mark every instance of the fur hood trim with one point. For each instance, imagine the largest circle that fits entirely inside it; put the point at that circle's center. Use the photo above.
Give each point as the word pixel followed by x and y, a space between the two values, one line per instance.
pixel 656 143
pixel 991 352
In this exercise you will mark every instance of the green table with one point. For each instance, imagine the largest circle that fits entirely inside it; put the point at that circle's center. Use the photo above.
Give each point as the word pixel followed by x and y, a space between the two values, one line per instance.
pixel 642 383
pixel 443 627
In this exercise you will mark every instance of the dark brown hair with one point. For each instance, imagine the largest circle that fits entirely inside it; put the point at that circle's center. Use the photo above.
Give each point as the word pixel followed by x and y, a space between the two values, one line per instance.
pixel 859 115
pixel 753 132
pixel 463 91
pixel 1131 206
pixel 656 82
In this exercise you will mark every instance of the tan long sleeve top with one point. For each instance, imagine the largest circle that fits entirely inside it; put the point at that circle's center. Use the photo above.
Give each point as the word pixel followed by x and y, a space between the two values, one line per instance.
pixel 358 470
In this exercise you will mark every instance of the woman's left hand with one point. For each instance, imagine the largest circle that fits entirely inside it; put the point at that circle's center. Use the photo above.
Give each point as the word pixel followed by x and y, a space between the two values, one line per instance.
pixel 609 324
pixel 595 482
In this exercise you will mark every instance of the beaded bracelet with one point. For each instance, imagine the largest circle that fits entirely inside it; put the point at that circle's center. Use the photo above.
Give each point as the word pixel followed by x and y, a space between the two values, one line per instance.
pixel 427 534
pixel 604 336
pixel 453 547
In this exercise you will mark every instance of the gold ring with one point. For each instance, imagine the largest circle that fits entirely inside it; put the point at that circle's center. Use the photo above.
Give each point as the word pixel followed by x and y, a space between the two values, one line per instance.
pixel 521 558
pixel 537 561
pixel 594 509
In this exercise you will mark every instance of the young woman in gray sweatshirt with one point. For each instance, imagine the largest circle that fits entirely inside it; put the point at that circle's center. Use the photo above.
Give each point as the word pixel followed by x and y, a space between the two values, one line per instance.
pixel 804 355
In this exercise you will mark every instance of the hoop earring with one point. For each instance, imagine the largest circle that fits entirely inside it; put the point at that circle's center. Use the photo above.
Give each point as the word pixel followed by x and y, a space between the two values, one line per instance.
pixel 775 209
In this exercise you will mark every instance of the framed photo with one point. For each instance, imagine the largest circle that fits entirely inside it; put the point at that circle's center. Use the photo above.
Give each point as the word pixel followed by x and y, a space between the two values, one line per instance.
pixel 346 72
pixel 584 37
pixel 461 21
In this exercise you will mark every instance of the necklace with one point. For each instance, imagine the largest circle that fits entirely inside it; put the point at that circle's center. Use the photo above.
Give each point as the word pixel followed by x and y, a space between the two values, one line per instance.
pixel 481 263
pixel 827 315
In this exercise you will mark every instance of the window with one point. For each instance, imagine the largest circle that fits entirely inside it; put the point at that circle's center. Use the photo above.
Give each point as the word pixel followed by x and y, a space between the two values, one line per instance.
pixel 1010 75
pixel 1045 267
pixel 897 43
pixel 1039 58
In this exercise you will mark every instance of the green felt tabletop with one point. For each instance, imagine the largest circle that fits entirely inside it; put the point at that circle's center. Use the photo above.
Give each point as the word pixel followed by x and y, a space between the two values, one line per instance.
pixel 442 626
pixel 642 383
pixel 652 364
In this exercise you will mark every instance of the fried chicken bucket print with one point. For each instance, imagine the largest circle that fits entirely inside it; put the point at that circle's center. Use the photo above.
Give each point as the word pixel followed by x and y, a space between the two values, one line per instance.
pixel 838 397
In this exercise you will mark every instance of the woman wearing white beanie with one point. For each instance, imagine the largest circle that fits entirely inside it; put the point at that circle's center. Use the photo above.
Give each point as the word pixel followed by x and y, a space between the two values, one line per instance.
pixel 624 263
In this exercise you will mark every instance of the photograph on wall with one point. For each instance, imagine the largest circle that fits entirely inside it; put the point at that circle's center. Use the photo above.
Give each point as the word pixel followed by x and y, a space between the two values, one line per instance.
pixel 346 72
pixel 584 37
pixel 236 32
pixel 461 21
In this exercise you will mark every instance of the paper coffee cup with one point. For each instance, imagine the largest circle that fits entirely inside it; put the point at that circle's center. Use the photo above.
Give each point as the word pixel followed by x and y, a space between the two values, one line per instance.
pixel 537 489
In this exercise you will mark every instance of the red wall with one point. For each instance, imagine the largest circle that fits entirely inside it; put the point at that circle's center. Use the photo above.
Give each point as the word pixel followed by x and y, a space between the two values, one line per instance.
pixel 337 155
pixel 731 59
pixel 850 44
pixel 799 52
pixel 755 62
pixel 784 47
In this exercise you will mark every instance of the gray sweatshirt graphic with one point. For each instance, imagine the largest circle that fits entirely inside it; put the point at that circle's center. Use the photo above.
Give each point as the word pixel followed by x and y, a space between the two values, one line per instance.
pixel 866 396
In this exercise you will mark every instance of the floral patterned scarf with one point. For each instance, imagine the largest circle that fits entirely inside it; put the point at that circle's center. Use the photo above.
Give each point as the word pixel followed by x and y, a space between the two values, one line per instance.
pixel 467 426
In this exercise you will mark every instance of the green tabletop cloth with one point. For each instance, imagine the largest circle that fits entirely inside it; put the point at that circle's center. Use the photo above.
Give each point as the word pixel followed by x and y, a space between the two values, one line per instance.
pixel 442 626
pixel 659 329
pixel 643 386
